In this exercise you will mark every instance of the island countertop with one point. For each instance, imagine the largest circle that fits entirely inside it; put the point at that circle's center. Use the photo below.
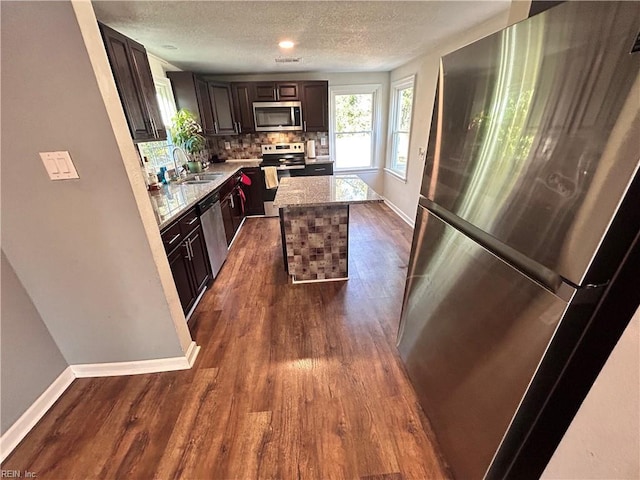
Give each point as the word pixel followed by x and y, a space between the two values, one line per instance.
pixel 324 190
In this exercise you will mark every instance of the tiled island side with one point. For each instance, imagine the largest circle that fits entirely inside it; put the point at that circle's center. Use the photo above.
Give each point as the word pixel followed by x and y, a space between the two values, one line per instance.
pixel 314 222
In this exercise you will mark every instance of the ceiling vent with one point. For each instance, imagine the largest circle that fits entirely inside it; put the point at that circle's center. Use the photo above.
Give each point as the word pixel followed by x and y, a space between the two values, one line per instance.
pixel 288 59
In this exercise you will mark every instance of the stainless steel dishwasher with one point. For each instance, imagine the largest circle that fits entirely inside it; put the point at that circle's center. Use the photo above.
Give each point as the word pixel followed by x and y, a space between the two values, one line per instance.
pixel 213 229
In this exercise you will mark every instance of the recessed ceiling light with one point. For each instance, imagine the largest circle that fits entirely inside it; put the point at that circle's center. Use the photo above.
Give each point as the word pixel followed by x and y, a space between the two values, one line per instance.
pixel 170 47
pixel 286 44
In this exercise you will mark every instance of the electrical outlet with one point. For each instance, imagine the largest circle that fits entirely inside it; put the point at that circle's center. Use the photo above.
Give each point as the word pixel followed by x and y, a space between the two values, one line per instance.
pixel 323 141
pixel 227 146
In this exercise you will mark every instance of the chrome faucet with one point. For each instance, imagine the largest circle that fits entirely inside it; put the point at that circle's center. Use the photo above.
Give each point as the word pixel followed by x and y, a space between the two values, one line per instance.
pixel 179 170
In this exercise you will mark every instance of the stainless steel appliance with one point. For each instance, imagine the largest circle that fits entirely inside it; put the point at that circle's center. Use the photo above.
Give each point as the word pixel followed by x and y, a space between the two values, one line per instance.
pixel 288 160
pixel 277 116
pixel 213 230
pixel 526 210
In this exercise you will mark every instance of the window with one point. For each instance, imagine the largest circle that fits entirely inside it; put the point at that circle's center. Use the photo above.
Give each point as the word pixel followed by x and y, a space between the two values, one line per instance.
pixel 400 125
pixel 158 154
pixel 353 125
pixel 165 100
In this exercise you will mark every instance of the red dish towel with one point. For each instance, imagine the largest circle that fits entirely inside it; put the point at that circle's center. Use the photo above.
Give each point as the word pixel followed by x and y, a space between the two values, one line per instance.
pixel 244 179
pixel 243 197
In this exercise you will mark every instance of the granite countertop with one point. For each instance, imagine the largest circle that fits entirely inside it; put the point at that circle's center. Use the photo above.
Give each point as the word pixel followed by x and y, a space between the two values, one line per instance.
pixel 174 199
pixel 323 190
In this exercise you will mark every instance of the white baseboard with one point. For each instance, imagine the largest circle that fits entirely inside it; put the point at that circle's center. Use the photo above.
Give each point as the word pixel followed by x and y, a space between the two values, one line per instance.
pixel 138 367
pixel 409 221
pixel 14 435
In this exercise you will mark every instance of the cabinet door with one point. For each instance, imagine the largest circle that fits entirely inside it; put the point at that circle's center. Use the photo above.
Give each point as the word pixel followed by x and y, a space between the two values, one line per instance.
pixel 266 92
pixel 147 90
pixel 286 91
pixel 220 94
pixel 124 75
pixel 179 263
pixel 254 192
pixel 227 218
pixel 207 116
pixel 236 209
pixel 315 106
pixel 199 260
pixel 243 96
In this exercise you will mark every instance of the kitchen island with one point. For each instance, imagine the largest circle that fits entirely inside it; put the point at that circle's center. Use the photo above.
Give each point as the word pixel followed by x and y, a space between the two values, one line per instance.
pixel 314 223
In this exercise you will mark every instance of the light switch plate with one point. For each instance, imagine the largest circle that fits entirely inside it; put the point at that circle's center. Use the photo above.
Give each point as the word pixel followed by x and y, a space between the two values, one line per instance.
pixel 323 141
pixel 59 165
pixel 227 146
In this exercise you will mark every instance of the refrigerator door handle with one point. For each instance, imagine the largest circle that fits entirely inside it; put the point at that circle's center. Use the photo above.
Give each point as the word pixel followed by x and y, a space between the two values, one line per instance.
pixel 547 278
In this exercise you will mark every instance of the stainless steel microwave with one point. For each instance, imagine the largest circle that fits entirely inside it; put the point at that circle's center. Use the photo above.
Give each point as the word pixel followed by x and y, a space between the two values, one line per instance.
pixel 277 116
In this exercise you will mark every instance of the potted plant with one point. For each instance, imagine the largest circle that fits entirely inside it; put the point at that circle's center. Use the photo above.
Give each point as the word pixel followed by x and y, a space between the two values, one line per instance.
pixel 187 134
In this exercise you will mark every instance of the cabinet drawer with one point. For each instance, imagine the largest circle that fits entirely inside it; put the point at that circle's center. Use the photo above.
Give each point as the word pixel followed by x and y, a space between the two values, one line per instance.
pixel 323 169
pixel 171 237
pixel 189 221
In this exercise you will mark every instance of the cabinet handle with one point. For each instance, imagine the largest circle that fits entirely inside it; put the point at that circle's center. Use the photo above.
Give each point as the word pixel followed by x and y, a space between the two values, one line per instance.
pixel 231 199
pixel 239 128
pixel 215 126
pixel 186 245
pixel 193 220
pixel 177 236
pixel 305 125
pixel 190 241
pixel 275 93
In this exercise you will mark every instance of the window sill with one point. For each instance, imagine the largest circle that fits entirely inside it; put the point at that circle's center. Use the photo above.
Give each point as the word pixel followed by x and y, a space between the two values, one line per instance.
pixel 395 174
pixel 357 170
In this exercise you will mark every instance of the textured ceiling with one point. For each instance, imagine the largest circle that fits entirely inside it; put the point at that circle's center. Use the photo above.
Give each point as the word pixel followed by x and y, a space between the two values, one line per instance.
pixel 330 36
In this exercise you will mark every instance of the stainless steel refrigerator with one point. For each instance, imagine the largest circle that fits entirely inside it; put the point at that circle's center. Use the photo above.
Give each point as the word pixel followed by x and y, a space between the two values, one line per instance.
pixel 527 207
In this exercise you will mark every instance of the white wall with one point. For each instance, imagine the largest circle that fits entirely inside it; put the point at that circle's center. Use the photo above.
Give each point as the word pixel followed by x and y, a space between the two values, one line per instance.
pixel 404 194
pixel 87 251
pixel 603 441
pixel 30 359
pixel 373 177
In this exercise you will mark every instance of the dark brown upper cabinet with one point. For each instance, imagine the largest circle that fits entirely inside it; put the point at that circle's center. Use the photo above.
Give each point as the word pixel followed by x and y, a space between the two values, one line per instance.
pixel 222 106
pixel 132 74
pixel 315 106
pixel 277 91
pixel 192 93
pixel 209 101
pixel 243 94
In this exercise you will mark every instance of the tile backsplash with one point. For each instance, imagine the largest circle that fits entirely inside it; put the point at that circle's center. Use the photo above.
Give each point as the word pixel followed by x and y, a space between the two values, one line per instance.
pixel 248 145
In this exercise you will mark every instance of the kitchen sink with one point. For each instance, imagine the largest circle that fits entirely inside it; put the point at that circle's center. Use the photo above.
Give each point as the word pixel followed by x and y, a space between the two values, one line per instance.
pixel 210 177
pixel 196 182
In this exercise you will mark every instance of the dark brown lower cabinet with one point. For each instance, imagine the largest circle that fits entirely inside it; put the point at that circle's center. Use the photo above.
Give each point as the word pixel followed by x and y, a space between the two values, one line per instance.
pixel 319 169
pixel 254 192
pixel 179 263
pixel 189 264
pixel 227 217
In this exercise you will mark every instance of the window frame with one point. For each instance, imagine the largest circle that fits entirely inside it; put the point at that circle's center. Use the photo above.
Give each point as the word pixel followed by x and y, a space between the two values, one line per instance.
pixel 396 87
pixel 373 89
pixel 164 84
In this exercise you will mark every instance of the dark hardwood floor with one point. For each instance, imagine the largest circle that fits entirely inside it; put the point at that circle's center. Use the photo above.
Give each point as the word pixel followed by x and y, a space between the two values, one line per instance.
pixel 292 382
